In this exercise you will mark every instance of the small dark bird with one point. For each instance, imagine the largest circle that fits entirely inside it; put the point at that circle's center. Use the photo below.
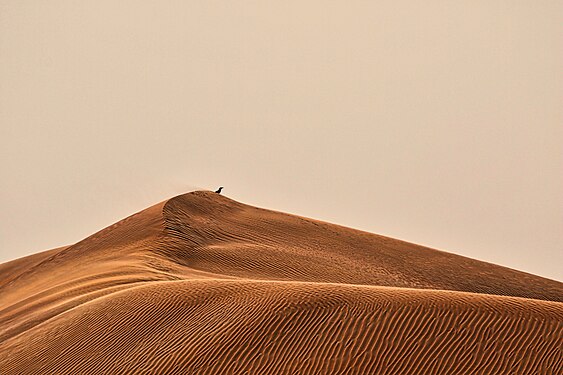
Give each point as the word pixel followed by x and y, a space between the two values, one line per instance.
pixel 218 191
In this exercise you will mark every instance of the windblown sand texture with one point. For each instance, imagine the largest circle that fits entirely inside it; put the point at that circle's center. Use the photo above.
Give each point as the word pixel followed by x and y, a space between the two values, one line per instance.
pixel 201 284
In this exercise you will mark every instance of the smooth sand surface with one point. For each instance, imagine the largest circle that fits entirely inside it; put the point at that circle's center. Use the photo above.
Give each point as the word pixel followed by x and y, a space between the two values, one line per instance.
pixel 203 284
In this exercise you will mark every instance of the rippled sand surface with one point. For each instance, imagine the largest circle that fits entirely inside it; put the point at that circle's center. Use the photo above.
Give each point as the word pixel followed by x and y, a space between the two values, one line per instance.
pixel 202 284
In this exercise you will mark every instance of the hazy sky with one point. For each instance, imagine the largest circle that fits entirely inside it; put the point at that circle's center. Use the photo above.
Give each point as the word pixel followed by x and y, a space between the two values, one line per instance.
pixel 436 122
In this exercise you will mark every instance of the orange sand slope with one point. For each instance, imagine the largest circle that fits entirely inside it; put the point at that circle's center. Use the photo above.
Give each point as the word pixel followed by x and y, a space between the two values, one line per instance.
pixel 203 284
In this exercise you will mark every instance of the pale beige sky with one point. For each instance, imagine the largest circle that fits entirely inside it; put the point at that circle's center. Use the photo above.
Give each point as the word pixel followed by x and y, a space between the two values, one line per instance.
pixel 436 122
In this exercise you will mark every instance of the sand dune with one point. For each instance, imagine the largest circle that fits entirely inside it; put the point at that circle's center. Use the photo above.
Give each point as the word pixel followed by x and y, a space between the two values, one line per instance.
pixel 203 284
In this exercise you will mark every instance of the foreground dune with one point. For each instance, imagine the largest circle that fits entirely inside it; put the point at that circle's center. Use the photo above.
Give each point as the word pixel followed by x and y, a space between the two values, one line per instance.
pixel 203 284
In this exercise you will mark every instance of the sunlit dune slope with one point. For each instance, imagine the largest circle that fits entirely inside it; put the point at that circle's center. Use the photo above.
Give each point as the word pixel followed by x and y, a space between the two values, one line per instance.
pixel 203 284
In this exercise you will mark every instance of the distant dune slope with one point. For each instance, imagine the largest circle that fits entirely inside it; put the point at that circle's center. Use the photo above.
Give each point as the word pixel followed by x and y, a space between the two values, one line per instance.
pixel 213 233
pixel 203 284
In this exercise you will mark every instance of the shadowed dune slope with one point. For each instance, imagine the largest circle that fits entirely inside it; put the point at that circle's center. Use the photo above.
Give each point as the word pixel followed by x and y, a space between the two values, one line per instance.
pixel 203 284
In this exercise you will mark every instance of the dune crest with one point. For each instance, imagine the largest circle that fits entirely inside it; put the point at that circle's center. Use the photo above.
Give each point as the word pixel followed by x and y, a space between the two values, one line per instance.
pixel 204 284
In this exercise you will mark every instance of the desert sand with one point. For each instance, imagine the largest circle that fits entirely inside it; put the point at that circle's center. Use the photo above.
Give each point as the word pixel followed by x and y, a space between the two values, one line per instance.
pixel 202 284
